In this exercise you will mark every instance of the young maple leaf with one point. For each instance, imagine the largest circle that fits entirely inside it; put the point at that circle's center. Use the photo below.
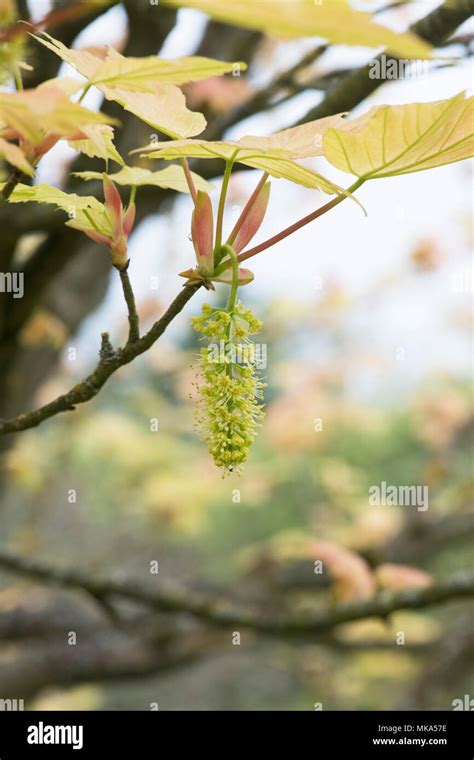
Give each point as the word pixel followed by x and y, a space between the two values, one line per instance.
pixel 111 227
pixel 202 233
pixel 39 117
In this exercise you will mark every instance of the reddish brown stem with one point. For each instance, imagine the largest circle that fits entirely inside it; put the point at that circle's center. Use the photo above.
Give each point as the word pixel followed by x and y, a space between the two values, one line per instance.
pixel 189 179
pixel 298 225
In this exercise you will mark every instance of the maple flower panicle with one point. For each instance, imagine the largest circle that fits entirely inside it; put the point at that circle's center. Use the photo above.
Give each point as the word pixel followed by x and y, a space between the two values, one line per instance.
pixel 229 409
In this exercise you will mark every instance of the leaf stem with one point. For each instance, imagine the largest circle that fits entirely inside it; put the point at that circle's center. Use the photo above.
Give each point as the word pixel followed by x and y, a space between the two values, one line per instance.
pixel 189 179
pixel 84 92
pixel 18 79
pixel 133 193
pixel 220 212
pixel 299 224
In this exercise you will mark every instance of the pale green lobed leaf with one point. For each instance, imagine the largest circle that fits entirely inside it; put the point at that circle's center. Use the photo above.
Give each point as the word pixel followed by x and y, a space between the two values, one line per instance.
pixel 15 156
pixel 145 86
pixel 262 154
pixel 333 20
pixel 80 208
pixel 137 74
pixel 68 85
pixel 171 177
pixel 99 143
pixel 142 74
pixel 91 219
pixel 48 110
pixel 82 60
pixel 165 109
pixel 304 141
pixel 392 140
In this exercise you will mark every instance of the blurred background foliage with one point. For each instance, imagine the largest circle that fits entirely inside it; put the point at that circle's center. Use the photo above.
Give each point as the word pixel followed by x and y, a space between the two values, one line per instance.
pixel 145 495
pixel 98 490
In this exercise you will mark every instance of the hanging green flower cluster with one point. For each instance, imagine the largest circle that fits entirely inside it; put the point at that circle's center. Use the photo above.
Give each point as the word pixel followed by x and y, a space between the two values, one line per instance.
pixel 228 412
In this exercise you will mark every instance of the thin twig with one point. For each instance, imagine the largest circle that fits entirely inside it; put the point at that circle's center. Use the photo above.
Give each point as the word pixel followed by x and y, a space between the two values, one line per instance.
pixel 9 186
pixel 133 318
pixel 90 387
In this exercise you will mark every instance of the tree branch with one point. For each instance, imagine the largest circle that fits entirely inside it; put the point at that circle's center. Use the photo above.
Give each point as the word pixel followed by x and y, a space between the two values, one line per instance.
pixel 221 612
pixel 133 318
pixel 262 100
pixel 110 362
pixel 103 655
pixel 352 89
